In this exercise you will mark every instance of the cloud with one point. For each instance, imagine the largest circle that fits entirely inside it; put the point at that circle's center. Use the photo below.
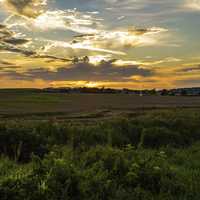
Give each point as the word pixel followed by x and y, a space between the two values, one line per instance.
pixel 71 20
pixel 5 33
pixel 126 38
pixel 105 71
pixel 68 20
pixel 2 26
pixel 9 41
pixel 10 48
pixel 43 42
pixel 7 67
pixel 5 64
pixel 193 4
pixel 108 41
pixel 193 69
pixel 10 37
pixel 16 41
pixel 51 58
pixel 94 36
pixel 84 45
pixel 27 8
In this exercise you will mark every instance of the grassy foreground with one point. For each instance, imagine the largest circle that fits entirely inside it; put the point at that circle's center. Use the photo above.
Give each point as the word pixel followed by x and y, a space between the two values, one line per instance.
pixel 155 155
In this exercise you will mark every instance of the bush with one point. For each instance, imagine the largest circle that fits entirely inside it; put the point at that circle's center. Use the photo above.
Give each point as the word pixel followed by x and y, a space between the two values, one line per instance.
pixel 122 132
pixel 19 142
pixel 153 156
pixel 157 137
pixel 102 173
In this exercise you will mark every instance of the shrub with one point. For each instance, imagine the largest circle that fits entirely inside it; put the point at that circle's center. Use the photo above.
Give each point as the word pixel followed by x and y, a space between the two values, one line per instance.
pixel 156 137
pixel 19 142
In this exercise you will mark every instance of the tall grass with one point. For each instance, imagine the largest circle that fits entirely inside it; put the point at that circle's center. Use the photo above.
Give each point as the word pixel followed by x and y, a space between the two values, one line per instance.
pixel 152 156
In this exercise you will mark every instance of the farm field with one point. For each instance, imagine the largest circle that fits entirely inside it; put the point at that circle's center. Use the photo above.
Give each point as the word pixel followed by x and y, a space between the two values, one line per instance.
pixel 40 105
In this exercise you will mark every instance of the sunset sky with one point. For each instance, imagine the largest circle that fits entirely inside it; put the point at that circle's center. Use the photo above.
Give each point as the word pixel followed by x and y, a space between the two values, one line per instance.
pixel 113 43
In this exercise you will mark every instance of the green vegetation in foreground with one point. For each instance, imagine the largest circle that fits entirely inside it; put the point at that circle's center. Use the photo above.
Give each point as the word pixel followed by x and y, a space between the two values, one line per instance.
pixel 156 155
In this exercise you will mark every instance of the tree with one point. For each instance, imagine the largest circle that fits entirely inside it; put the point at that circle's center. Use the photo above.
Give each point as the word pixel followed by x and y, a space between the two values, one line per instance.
pixel 86 59
pixel 75 60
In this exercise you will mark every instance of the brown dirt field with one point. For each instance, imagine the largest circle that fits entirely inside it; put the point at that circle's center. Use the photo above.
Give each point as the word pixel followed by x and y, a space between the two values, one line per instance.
pixel 86 105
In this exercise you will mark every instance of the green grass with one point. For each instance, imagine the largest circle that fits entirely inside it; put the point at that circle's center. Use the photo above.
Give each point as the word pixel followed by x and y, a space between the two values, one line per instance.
pixel 151 155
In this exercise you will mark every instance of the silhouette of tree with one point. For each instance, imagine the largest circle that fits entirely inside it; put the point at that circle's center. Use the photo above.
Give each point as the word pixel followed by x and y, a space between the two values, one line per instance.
pixel 86 59
pixel 75 60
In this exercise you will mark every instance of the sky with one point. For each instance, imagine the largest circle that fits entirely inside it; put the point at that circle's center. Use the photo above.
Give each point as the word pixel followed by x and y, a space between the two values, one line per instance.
pixel 137 44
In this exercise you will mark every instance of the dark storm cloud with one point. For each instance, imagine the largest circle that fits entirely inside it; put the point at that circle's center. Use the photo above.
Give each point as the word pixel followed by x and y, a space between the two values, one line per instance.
pixel 83 71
